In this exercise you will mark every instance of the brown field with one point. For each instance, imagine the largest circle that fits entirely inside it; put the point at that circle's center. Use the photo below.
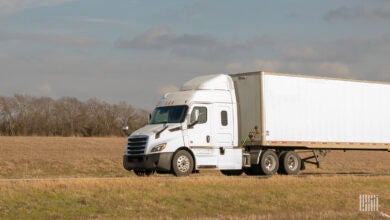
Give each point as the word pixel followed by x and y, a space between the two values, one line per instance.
pixel 41 157
pixel 279 197
pixel 205 195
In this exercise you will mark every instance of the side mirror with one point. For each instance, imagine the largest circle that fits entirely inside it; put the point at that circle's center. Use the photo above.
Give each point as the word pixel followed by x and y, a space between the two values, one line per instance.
pixel 194 120
pixel 196 115
pixel 125 129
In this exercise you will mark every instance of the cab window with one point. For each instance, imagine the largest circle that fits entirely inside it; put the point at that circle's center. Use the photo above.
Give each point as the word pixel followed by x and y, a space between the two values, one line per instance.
pixel 224 118
pixel 202 115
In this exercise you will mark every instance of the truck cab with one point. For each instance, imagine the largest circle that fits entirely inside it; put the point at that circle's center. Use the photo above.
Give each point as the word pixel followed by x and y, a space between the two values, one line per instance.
pixel 191 129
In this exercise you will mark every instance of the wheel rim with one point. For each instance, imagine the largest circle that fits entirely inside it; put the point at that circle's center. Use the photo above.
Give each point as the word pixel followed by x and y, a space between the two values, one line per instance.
pixel 183 163
pixel 292 162
pixel 270 163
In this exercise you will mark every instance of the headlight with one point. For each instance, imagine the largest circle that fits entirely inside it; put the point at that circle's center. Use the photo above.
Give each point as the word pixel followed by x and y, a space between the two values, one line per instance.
pixel 158 148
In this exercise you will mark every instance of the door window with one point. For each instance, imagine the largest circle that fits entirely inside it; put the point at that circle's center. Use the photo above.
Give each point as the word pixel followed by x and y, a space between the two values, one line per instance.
pixel 202 115
pixel 224 118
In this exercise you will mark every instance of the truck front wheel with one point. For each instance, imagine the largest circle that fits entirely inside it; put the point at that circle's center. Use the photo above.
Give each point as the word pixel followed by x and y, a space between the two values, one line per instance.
pixel 182 163
pixel 269 162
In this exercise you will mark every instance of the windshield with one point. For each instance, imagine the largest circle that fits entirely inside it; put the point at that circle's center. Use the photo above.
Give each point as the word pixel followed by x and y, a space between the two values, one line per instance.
pixel 169 114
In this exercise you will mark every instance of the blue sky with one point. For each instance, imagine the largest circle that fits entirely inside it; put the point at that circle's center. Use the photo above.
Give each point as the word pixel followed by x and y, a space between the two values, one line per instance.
pixel 133 51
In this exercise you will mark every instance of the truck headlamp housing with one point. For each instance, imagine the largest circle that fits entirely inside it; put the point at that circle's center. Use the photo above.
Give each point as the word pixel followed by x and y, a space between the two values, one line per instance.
pixel 159 147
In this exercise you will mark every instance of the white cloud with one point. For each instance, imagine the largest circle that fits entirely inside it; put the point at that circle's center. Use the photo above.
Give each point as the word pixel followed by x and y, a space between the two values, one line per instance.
pixel 199 46
pixel 138 82
pixel 8 7
pixel 164 38
pixel 152 39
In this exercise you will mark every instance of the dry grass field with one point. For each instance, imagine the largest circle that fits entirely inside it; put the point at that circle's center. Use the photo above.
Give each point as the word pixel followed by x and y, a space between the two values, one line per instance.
pixel 279 197
pixel 48 157
pixel 42 157
pixel 205 195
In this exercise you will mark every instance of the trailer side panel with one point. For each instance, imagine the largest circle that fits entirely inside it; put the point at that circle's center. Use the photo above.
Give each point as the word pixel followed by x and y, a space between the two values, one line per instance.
pixel 325 113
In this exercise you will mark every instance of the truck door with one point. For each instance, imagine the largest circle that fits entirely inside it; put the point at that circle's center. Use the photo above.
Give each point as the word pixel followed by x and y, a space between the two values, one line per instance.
pixel 229 156
pixel 223 126
pixel 200 139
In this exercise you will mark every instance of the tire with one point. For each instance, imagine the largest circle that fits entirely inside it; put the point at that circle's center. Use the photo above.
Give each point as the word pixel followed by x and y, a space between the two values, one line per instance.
pixel 143 172
pixel 290 163
pixel 269 162
pixel 281 169
pixel 232 172
pixel 182 163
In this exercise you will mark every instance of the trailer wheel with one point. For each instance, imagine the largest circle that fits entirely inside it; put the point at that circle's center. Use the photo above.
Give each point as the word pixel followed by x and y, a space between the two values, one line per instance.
pixel 182 163
pixel 143 172
pixel 290 163
pixel 281 169
pixel 269 163
pixel 232 172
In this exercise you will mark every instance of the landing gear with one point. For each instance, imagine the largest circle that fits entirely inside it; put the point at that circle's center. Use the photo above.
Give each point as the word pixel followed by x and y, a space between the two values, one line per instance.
pixel 316 159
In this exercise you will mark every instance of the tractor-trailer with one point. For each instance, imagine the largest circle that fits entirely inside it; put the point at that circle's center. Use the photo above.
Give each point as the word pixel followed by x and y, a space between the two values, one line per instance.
pixel 257 123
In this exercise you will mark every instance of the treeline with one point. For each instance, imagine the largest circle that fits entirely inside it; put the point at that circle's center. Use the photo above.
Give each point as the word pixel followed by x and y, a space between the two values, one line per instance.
pixel 23 115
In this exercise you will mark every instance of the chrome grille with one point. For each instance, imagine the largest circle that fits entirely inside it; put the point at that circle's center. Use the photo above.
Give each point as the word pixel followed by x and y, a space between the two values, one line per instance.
pixel 136 145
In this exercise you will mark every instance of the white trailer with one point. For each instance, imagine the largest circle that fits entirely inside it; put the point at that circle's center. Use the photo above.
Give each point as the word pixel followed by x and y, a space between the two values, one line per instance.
pixel 255 122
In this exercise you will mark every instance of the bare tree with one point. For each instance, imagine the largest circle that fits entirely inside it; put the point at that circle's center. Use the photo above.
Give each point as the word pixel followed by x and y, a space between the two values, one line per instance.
pixel 27 115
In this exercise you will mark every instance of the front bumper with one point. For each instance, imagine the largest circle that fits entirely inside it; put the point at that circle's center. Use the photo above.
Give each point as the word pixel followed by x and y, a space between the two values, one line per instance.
pixel 159 162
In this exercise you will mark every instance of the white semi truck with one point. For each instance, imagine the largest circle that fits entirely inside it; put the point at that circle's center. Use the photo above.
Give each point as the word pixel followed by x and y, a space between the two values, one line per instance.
pixel 257 122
